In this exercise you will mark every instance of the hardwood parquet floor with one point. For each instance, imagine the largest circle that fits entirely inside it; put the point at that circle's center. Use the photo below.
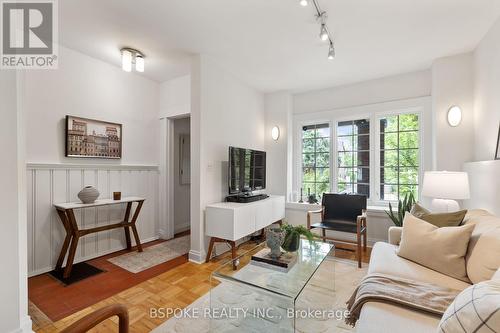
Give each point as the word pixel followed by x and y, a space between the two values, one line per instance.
pixel 58 301
pixel 175 288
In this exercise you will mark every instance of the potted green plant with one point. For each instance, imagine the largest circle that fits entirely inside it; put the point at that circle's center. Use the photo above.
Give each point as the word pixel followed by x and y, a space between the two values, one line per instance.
pixel 403 207
pixel 291 241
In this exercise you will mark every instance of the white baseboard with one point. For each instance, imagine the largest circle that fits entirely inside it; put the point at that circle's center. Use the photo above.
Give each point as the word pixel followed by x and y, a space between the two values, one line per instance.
pixel 196 257
pixel 26 326
pixel 115 249
pixel 182 227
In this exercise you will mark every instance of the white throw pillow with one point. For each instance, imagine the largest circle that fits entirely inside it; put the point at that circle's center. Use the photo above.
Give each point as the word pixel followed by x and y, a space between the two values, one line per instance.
pixel 476 309
pixel 441 249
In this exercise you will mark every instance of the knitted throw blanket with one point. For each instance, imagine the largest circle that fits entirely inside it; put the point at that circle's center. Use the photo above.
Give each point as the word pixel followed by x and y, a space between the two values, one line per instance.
pixel 420 296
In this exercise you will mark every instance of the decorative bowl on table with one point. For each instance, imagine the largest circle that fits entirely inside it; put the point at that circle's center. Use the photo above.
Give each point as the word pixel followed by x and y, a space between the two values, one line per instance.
pixel 88 194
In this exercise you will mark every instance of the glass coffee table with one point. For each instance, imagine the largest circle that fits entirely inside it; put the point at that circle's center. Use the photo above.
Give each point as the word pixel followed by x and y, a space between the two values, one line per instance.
pixel 247 297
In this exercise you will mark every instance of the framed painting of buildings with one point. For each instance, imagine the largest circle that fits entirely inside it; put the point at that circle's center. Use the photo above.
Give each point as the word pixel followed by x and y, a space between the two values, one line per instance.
pixel 93 138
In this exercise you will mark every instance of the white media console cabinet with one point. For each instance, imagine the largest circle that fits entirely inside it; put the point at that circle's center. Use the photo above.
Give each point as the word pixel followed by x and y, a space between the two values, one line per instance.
pixel 229 221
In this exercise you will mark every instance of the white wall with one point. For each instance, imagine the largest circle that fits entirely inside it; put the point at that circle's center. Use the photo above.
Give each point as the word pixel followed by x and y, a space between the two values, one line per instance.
pixel 404 86
pixel 487 94
pixel 13 287
pixel 452 84
pixel 175 97
pixel 224 112
pixel 484 185
pixel 182 192
pixel 278 108
pixel 90 88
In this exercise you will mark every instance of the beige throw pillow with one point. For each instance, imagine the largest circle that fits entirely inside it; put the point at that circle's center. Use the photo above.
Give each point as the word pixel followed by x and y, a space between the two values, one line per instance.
pixel 441 249
pixel 483 255
pixel 452 219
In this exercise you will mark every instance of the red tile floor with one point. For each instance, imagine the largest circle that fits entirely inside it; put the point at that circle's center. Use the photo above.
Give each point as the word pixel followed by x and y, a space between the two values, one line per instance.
pixel 58 301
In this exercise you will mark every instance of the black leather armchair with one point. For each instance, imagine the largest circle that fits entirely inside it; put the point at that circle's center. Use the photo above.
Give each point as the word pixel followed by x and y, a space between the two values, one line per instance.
pixel 345 213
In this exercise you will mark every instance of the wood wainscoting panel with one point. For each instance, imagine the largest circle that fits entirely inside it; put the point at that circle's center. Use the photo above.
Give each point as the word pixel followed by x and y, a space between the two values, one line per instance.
pixel 55 183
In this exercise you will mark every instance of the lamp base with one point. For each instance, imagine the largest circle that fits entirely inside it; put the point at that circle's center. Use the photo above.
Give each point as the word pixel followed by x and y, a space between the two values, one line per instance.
pixel 444 206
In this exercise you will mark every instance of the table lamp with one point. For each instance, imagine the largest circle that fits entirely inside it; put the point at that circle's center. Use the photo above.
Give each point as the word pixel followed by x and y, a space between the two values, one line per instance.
pixel 446 187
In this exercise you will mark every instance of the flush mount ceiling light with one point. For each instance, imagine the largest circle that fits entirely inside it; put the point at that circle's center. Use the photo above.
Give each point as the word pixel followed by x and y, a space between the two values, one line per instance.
pixel 454 116
pixel 275 133
pixel 324 33
pixel 132 57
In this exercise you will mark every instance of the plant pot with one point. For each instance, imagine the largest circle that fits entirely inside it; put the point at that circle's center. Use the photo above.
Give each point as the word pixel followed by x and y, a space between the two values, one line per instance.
pixel 291 242
pixel 88 194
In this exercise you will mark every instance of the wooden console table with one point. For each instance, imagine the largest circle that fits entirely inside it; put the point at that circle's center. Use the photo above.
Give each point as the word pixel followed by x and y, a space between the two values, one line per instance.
pixel 73 234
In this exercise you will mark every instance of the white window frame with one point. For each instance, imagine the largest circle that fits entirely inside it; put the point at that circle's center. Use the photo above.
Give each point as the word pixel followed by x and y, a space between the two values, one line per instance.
pixel 374 112
pixel 418 111
pixel 298 152
pixel 336 151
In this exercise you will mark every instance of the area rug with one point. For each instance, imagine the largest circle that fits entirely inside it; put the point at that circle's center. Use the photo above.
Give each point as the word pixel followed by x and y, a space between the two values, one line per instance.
pixel 136 262
pixel 323 293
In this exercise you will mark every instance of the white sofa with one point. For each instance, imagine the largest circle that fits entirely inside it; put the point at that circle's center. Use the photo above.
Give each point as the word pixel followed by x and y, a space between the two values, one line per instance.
pixel 483 260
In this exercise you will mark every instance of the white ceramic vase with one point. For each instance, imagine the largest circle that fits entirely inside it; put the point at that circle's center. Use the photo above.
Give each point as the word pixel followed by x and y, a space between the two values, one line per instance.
pixel 88 194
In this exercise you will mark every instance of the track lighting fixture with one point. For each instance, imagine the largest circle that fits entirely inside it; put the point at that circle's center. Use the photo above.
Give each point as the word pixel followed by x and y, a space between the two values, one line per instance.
pixel 331 52
pixel 132 57
pixel 324 33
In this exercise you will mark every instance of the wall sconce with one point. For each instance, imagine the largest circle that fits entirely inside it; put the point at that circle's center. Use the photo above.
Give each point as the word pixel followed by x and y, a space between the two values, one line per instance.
pixel 130 57
pixel 454 116
pixel 275 133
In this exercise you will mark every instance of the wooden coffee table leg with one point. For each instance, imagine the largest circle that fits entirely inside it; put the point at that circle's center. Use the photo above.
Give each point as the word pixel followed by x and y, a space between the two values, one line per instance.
pixel 67 239
pixel 134 228
pixel 71 256
pixel 233 254
pixel 74 242
pixel 210 248
pixel 126 229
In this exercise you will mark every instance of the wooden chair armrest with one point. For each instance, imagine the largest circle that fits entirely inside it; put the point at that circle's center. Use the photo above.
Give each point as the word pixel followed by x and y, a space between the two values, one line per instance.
pixel 361 220
pixel 311 212
pixel 319 211
pixel 93 319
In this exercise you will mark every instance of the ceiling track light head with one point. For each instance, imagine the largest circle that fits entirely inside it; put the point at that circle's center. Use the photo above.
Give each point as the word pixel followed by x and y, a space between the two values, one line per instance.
pixel 304 3
pixel 323 34
pixel 331 52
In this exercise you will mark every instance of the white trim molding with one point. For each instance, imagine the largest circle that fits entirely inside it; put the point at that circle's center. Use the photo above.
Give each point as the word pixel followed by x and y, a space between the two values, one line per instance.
pixel 57 166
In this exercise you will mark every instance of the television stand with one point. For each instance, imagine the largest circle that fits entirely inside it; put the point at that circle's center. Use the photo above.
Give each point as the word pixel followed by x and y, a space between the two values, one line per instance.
pixel 246 198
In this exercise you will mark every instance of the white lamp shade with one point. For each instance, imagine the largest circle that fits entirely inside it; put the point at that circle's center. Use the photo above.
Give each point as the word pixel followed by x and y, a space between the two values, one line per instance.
pixel 139 63
pixel 126 60
pixel 446 185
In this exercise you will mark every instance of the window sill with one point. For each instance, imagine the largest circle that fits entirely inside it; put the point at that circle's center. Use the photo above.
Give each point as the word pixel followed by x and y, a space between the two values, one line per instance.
pixel 371 210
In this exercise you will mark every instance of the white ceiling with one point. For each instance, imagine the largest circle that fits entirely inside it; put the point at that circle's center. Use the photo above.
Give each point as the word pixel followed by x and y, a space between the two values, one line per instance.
pixel 274 44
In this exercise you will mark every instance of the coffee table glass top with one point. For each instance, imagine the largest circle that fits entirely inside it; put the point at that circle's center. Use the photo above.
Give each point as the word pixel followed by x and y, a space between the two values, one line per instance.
pixel 289 284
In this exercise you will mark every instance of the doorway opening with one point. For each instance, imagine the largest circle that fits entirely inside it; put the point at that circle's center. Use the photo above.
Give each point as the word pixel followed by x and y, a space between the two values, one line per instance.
pixel 182 175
